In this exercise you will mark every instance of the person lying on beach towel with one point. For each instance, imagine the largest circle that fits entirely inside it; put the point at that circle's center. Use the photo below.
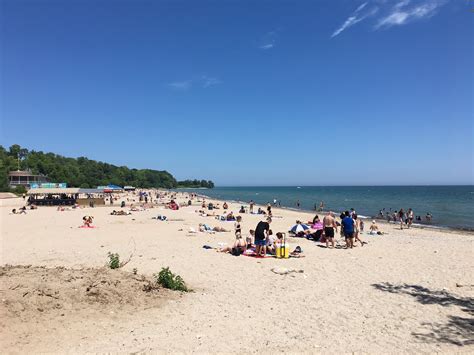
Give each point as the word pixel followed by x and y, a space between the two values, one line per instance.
pixel 297 253
pixel 206 228
pixel 202 213
pixel 239 247
pixel 120 213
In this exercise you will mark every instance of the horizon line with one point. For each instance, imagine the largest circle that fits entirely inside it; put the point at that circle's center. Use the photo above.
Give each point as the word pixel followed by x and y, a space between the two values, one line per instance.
pixel 394 185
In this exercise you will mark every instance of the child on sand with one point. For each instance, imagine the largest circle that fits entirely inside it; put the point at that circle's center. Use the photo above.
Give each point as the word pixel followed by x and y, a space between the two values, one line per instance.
pixel 87 220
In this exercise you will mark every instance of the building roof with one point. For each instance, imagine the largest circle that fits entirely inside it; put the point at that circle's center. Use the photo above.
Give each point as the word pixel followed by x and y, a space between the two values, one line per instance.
pixel 22 173
pixel 67 190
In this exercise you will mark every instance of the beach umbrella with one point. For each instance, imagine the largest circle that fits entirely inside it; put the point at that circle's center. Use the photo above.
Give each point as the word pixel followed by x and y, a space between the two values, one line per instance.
pixel 300 227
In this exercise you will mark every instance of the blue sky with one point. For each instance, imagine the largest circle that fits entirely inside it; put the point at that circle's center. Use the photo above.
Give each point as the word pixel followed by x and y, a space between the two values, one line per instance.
pixel 246 92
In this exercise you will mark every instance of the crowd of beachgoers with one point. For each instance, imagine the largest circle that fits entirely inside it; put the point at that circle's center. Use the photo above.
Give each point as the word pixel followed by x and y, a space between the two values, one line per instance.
pixel 262 240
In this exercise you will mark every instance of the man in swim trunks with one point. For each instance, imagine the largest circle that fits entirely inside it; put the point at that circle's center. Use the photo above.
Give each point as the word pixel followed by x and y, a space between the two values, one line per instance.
pixel 261 234
pixel 348 228
pixel 329 224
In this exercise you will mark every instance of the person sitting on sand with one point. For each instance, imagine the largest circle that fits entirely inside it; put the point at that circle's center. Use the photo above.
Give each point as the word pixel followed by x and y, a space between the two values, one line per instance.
pixel 14 211
pixel 87 220
pixel 230 217
pixel 273 241
pixel 260 211
pixel 249 239
pixel 374 229
pixel 316 230
pixel 172 205
pixel 225 206
pixel 242 209
pixel 238 227
pixel 270 240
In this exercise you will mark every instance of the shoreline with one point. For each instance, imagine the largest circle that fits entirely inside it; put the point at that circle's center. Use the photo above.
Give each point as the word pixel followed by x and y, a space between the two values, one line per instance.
pixel 378 219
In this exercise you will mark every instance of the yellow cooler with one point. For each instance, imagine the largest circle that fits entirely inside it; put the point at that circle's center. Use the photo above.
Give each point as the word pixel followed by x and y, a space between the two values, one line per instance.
pixel 283 251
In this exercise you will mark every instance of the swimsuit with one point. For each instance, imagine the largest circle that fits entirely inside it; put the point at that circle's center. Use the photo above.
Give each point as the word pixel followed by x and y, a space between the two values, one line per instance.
pixel 329 232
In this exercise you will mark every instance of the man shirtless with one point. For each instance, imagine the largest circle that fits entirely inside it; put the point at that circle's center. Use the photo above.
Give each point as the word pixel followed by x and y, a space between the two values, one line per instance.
pixel 329 224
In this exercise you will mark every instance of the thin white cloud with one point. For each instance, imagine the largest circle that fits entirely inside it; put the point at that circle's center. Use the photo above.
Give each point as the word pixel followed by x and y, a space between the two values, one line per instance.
pixel 268 40
pixel 401 14
pixel 351 20
pixel 181 85
pixel 208 82
pixel 361 6
pixel 267 46
pixel 387 13
pixel 203 81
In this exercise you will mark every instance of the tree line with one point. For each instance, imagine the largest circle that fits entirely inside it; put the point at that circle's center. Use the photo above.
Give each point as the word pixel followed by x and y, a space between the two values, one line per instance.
pixel 83 172
pixel 196 184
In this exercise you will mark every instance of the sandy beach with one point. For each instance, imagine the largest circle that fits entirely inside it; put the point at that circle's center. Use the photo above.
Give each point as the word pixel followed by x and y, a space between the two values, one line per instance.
pixel 406 291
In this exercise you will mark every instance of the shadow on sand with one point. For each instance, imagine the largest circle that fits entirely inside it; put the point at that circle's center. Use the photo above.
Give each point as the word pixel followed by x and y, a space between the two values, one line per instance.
pixel 457 330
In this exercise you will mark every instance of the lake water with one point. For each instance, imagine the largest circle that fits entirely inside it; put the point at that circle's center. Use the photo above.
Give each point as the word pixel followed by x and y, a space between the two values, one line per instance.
pixel 451 206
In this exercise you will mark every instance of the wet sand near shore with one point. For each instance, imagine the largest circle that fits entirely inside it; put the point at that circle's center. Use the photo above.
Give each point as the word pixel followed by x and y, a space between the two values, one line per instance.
pixel 405 291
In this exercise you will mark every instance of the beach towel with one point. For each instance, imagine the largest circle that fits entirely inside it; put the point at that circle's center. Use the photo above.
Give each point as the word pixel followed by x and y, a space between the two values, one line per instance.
pixel 259 257
pixel 251 254
pixel 87 227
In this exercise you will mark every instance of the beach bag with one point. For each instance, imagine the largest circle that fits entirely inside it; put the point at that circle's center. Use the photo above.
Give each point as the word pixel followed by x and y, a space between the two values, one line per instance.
pixel 282 251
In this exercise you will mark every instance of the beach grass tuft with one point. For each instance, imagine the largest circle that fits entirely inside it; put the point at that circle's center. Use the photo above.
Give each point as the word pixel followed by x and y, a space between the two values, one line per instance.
pixel 114 260
pixel 171 281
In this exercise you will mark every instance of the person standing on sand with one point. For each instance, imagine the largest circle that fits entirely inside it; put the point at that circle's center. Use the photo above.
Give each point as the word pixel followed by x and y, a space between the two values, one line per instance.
pixel 401 217
pixel 348 228
pixel 410 215
pixel 358 228
pixel 329 225
pixel 251 203
pixel 261 234
pixel 269 210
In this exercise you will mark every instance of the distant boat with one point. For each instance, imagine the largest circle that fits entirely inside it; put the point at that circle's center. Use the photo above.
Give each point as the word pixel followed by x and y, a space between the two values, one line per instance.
pixel 298 187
